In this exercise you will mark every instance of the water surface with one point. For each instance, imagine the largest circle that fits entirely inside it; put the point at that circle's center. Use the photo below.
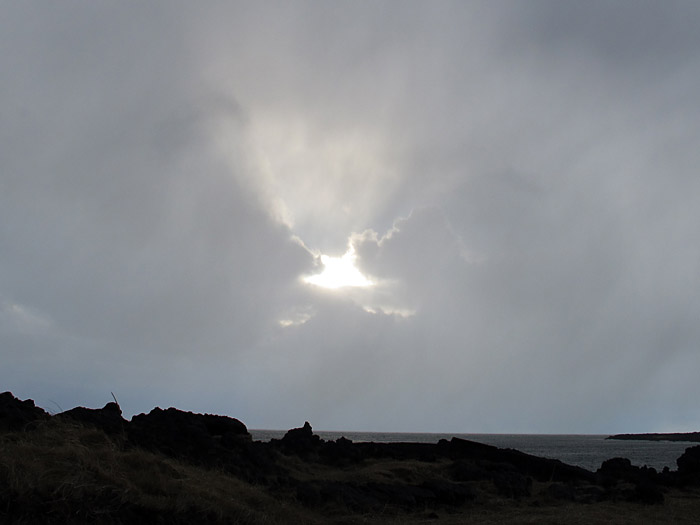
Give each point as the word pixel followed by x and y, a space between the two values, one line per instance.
pixel 583 450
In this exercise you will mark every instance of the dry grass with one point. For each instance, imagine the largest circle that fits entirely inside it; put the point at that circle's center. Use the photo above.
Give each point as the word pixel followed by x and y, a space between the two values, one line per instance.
pixel 67 473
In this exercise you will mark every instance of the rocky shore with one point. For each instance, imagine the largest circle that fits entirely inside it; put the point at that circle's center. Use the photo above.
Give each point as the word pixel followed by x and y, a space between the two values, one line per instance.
pixel 93 466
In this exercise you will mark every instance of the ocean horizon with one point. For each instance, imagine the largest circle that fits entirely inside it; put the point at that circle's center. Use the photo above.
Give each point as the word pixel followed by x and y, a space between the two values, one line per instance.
pixel 583 450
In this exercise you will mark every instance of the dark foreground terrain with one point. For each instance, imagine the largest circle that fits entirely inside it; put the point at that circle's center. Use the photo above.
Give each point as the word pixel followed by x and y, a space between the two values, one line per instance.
pixel 168 466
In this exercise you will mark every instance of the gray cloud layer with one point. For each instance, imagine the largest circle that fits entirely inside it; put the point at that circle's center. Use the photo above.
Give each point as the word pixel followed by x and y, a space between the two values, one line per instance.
pixel 519 179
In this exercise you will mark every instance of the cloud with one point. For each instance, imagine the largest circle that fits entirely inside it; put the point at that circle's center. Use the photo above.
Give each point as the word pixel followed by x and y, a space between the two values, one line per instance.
pixel 518 179
pixel 125 226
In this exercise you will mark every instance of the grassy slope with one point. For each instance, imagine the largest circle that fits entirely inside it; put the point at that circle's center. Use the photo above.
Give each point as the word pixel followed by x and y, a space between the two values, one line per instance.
pixel 66 473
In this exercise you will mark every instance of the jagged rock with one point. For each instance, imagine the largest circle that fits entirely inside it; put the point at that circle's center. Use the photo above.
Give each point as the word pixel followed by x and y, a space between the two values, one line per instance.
pixel 621 469
pixel 427 452
pixel 109 418
pixel 645 479
pixel 300 440
pixel 341 452
pixel 178 433
pixel 304 433
pixel 16 414
pixel 207 440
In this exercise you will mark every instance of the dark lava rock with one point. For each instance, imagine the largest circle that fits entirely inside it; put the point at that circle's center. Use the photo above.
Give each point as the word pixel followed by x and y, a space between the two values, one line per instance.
pixel 689 466
pixel 645 479
pixel 341 452
pixel 541 469
pixel 109 418
pixel 301 440
pixel 16 414
pixel 689 462
pixel 185 434
pixel 614 469
pixel 427 452
pixel 207 440
pixel 621 469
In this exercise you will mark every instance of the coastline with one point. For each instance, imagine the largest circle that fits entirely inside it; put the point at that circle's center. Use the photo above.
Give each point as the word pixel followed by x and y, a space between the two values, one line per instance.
pixel 582 450
pixel 93 466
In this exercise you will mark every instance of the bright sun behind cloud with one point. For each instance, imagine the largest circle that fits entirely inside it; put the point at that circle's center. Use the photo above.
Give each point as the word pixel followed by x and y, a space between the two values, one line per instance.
pixel 339 272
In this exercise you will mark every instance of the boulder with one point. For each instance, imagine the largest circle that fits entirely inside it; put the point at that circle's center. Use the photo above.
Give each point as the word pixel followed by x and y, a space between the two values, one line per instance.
pixel 615 469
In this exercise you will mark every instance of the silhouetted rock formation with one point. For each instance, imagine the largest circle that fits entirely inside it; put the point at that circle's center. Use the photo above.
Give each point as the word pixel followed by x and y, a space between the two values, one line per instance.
pixel 541 469
pixel 300 440
pixel 16 414
pixel 175 433
pixel 646 480
pixel 689 466
pixel 109 418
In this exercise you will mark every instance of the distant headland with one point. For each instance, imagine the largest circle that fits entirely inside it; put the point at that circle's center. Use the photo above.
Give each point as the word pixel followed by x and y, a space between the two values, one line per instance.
pixel 671 436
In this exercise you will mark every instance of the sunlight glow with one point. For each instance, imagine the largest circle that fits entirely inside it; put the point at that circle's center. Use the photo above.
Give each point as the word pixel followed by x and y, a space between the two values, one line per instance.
pixel 339 272
pixel 296 320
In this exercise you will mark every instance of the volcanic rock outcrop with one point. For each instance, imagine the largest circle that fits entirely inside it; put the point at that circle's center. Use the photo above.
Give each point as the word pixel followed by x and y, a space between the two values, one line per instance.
pixel 109 418
pixel 18 415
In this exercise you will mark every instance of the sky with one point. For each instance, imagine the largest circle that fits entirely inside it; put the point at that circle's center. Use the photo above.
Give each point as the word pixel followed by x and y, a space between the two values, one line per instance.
pixel 467 216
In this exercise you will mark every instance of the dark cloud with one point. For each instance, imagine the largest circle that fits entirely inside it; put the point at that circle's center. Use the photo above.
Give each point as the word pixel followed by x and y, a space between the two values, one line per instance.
pixel 624 34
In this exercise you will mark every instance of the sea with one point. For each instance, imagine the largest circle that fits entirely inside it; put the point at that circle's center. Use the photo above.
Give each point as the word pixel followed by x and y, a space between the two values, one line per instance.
pixel 583 450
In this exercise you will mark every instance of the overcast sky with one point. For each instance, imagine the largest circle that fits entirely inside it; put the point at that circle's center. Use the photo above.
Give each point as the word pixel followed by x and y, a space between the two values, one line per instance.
pixel 518 181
